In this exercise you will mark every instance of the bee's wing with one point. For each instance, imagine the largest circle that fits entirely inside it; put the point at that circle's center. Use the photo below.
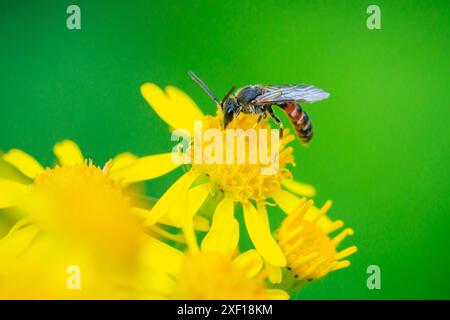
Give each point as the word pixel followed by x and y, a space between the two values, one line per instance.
pixel 283 93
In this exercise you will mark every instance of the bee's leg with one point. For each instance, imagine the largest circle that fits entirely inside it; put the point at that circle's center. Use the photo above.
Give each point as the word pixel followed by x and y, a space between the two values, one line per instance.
pixel 259 118
pixel 277 120
pixel 262 114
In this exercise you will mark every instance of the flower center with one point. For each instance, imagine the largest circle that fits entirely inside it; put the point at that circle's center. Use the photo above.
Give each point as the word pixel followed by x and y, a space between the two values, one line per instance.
pixel 309 251
pixel 214 276
pixel 252 164
pixel 83 204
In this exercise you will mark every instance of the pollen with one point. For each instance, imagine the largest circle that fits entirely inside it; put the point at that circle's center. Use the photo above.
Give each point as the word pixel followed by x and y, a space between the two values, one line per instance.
pixel 305 241
pixel 212 276
pixel 80 179
pixel 83 204
pixel 242 178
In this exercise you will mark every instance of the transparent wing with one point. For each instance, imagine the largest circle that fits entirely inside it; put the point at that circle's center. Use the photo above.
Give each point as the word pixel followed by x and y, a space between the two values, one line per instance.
pixel 283 93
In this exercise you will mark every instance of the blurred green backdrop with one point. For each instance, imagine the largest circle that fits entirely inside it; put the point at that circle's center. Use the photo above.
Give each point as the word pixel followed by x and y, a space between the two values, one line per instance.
pixel 381 149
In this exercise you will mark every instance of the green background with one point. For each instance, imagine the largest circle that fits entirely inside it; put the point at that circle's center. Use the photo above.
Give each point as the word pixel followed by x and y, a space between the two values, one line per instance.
pixel 381 149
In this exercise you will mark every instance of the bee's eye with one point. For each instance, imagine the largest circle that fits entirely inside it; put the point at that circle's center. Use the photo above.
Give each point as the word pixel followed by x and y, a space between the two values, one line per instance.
pixel 229 109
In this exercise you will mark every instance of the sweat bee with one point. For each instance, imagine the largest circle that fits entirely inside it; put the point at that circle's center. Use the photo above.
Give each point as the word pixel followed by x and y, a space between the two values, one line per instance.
pixel 259 99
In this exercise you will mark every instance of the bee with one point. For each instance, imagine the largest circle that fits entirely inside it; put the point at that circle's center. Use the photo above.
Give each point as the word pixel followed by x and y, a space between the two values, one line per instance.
pixel 259 99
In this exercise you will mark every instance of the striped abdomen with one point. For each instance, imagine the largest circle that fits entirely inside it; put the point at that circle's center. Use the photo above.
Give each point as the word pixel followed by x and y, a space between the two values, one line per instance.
pixel 300 120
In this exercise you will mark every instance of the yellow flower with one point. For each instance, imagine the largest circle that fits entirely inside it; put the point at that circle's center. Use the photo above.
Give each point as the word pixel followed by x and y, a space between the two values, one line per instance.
pixel 243 182
pixel 77 200
pixel 50 268
pixel 304 237
pixel 206 274
pixel 238 183
pixel 211 271
pixel 86 215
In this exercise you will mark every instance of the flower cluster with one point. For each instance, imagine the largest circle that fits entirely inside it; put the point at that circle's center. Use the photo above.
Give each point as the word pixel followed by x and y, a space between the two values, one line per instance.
pixel 77 230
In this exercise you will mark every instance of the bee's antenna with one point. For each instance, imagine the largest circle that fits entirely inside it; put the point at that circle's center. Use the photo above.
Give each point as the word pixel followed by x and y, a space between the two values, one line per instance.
pixel 201 84
pixel 228 94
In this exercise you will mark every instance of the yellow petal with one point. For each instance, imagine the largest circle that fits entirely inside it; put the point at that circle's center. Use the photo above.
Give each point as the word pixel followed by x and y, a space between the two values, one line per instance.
pixel 346 253
pixel 23 162
pixel 185 104
pixel 224 233
pixel 201 223
pixel 160 103
pixel 189 236
pixel 194 200
pixel 277 294
pixel 178 210
pixel 314 213
pixel 20 224
pixel 164 204
pixel 161 285
pixel 182 211
pixel 262 211
pixel 11 193
pixel 175 107
pixel 196 196
pixel 287 201
pixel 162 233
pixel 68 153
pixel 162 257
pixel 341 264
pixel 299 188
pixel 145 168
pixel 261 237
pixel 139 212
pixel 250 260
pixel 122 160
pixel 17 242
pixel 274 273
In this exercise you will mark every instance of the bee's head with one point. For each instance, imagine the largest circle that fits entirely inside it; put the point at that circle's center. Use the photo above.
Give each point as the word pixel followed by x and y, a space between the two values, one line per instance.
pixel 230 108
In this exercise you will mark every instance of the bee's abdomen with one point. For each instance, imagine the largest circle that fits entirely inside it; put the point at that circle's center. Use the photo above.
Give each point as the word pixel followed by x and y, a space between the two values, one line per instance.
pixel 300 120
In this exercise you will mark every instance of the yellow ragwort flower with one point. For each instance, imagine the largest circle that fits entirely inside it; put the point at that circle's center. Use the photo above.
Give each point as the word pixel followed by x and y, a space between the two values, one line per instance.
pixel 206 274
pixel 304 237
pixel 85 213
pixel 239 183
pixel 51 268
